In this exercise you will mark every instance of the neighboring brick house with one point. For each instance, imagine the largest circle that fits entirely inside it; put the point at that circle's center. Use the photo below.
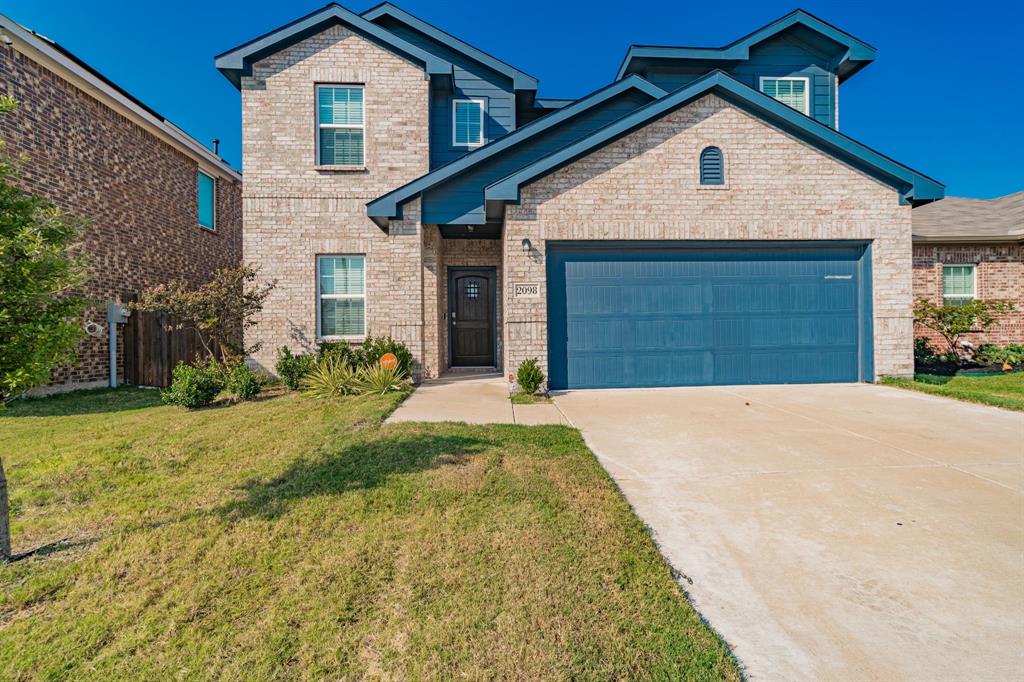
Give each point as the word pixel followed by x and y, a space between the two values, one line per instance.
pixel 972 248
pixel 698 220
pixel 143 186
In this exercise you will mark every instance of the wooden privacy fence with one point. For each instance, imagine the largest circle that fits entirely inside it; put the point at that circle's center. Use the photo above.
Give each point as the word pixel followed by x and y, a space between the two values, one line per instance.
pixel 152 351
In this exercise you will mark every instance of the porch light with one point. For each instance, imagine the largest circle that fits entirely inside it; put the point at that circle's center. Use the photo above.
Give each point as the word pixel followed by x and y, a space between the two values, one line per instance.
pixel 527 246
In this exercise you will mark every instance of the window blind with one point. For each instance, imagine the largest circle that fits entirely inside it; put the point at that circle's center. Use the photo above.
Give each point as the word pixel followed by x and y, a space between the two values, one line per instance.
pixel 340 119
pixel 468 123
pixel 792 92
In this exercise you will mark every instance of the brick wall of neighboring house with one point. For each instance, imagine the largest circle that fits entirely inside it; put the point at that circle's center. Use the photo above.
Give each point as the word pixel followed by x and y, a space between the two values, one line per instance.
pixel 1000 274
pixel 294 212
pixel 646 186
pixel 136 192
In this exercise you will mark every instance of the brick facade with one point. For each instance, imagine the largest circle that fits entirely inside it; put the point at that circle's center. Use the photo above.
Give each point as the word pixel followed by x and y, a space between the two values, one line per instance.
pixel 294 212
pixel 999 270
pixel 136 192
pixel 646 186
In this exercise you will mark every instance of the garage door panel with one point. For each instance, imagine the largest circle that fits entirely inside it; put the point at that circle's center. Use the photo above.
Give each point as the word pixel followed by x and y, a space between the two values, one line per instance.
pixel 672 334
pixel 678 315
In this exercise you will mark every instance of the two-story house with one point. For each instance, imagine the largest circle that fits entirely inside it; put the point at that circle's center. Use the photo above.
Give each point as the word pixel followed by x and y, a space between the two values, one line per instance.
pixel 700 219
pixel 156 204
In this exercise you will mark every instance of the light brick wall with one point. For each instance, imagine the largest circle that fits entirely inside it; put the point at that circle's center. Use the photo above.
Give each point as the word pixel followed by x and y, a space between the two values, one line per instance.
pixel 1000 274
pixel 646 186
pixel 294 212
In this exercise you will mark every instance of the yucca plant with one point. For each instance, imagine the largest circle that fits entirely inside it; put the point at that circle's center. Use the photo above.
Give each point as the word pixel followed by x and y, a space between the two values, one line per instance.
pixel 330 377
pixel 379 380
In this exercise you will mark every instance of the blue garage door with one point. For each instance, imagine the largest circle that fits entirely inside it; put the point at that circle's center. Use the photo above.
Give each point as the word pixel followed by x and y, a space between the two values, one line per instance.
pixel 623 314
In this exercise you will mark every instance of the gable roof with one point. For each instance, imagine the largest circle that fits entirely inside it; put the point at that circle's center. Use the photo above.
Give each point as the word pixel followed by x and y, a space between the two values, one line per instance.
pixel 238 61
pixel 56 58
pixel 958 219
pixel 389 206
pixel 912 186
pixel 856 56
pixel 520 80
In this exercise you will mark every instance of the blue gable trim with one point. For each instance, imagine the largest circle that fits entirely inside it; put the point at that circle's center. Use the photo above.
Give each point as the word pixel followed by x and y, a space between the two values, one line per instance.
pixel 520 80
pixel 912 186
pixel 856 53
pixel 388 206
pixel 238 62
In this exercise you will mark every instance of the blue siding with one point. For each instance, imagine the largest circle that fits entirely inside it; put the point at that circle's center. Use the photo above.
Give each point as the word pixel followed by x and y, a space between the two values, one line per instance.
pixel 471 80
pixel 785 55
pixel 672 315
pixel 461 199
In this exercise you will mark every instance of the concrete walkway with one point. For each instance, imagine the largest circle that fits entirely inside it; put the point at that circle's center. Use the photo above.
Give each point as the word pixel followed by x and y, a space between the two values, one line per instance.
pixel 840 532
pixel 474 399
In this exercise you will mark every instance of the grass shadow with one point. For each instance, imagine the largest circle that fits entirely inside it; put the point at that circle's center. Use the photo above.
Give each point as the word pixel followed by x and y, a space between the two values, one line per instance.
pixel 62 545
pixel 363 465
pixel 91 401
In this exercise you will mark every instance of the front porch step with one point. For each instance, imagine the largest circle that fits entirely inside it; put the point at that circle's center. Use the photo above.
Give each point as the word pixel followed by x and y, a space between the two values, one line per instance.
pixel 455 372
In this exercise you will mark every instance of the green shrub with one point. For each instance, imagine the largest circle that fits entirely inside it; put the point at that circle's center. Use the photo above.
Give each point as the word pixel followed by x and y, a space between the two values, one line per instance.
pixel 952 322
pixel 194 386
pixel 380 380
pixel 292 368
pixel 927 360
pixel 330 377
pixel 991 354
pixel 529 377
pixel 242 381
pixel 339 350
pixel 369 353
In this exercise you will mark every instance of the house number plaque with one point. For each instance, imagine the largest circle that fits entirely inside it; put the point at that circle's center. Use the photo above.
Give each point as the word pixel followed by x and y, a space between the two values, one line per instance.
pixel 526 291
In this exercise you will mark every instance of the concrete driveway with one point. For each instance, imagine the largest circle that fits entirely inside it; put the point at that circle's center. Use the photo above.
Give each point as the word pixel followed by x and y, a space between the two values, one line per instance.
pixel 851 532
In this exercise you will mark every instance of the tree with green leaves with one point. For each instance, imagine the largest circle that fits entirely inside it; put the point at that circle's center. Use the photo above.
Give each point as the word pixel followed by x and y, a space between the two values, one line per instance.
pixel 40 309
pixel 953 322
pixel 219 311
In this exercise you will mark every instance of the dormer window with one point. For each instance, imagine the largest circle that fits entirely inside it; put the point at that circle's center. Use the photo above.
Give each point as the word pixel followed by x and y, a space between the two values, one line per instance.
pixel 794 91
pixel 467 122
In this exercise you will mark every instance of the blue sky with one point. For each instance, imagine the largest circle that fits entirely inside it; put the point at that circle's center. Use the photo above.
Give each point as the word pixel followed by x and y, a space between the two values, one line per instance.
pixel 940 97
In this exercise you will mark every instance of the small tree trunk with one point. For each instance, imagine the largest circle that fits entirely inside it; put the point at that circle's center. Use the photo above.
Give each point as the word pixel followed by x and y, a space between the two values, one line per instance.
pixel 5 520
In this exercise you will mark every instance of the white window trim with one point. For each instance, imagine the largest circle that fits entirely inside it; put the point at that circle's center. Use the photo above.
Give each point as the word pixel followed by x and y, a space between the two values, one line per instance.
pixel 319 297
pixel 213 212
pixel 353 126
pixel 483 108
pixel 974 281
pixel 807 89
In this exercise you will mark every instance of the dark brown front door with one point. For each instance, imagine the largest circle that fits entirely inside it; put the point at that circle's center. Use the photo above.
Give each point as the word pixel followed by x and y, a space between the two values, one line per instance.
pixel 471 317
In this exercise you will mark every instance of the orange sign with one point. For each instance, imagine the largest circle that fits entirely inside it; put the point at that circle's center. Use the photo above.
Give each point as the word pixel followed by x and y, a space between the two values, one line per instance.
pixel 389 361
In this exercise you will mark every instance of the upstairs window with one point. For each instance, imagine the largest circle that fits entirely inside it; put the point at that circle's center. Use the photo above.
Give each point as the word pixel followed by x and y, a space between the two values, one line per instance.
pixel 467 122
pixel 712 167
pixel 340 126
pixel 206 189
pixel 958 284
pixel 793 91
pixel 341 294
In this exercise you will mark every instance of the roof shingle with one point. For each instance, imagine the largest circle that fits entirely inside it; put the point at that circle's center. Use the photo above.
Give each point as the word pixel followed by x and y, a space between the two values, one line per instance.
pixel 958 219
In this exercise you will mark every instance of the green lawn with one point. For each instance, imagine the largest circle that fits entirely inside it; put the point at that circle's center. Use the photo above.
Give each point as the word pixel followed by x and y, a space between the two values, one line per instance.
pixel 999 390
pixel 520 398
pixel 294 539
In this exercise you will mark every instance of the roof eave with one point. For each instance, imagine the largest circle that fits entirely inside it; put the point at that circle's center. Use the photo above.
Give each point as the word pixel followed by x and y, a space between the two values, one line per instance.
pixel 913 187
pixel 389 206
pixel 237 62
pixel 968 239
pixel 858 53
pixel 520 80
